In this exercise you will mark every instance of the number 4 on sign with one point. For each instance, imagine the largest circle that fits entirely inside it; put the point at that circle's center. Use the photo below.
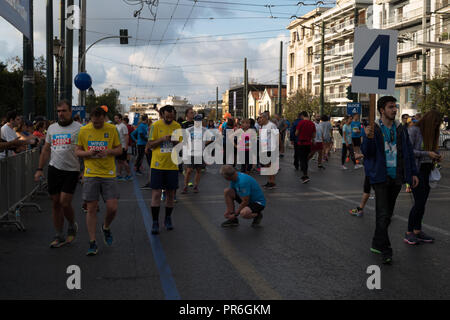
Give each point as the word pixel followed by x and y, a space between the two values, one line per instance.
pixel 383 74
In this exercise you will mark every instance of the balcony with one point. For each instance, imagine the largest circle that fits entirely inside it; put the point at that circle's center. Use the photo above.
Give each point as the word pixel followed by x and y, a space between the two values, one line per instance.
pixel 335 96
pixel 338 73
pixel 408 77
pixel 403 20
pixel 409 47
pixel 444 36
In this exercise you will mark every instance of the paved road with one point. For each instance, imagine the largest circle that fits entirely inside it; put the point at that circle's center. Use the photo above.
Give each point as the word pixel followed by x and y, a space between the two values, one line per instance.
pixel 308 247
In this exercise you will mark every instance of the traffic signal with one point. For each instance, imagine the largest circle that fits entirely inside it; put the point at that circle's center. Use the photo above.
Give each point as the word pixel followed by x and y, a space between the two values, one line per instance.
pixel 123 36
pixel 349 93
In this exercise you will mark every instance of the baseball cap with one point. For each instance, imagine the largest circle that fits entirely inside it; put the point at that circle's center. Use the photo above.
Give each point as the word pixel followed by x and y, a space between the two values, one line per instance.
pixel 105 108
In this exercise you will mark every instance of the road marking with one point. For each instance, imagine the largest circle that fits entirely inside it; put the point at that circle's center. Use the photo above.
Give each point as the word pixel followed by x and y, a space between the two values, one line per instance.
pixel 248 272
pixel 436 229
pixel 165 274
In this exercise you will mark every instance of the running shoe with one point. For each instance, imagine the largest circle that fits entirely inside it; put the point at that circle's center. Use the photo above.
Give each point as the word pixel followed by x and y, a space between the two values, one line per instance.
pixel 107 236
pixel 423 237
pixel 257 220
pixel 155 227
pixel 129 178
pixel 163 196
pixel 146 187
pixel 196 189
pixel 357 212
pixel 358 166
pixel 185 190
pixel 139 173
pixel 57 242
pixel 344 168
pixel 411 239
pixel 72 233
pixel 230 223
pixel 305 179
pixel 270 186
pixel 408 188
pixel 190 184
pixel 120 178
pixel 168 223
pixel 386 256
pixel 321 167
pixel 93 249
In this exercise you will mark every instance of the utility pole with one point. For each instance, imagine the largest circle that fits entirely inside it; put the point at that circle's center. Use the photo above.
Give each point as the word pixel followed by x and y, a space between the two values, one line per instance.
pixel 424 51
pixel 245 94
pixel 322 71
pixel 69 59
pixel 280 83
pixel 81 50
pixel 49 32
pixel 217 103
pixel 356 24
pixel 62 36
pixel 28 69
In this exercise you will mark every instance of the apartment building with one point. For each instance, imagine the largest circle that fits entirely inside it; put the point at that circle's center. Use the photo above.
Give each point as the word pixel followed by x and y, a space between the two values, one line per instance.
pixel 406 17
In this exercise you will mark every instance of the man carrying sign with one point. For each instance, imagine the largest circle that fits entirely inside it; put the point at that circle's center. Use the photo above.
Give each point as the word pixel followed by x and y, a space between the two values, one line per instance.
pixel 389 162
pixel 99 144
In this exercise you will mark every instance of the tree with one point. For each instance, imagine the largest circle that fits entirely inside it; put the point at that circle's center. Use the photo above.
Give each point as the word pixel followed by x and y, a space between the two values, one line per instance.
pixel 109 98
pixel 302 100
pixel 438 95
pixel 11 85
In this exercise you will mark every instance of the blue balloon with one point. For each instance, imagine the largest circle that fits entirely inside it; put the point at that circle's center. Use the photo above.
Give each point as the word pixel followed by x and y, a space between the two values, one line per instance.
pixel 83 81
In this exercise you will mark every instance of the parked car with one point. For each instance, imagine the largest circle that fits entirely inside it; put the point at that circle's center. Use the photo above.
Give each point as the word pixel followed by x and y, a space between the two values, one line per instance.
pixel 444 140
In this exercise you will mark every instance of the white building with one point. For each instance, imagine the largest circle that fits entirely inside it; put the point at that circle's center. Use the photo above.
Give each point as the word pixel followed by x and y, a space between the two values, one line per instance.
pixel 180 104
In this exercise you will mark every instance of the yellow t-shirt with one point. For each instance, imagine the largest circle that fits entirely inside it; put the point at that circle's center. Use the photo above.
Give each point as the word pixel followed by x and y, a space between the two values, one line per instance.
pixel 162 154
pixel 99 139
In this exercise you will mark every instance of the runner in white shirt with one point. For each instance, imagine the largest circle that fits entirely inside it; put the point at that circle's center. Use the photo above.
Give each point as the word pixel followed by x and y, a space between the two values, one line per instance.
pixel 267 145
pixel 63 171
pixel 8 134
pixel 122 162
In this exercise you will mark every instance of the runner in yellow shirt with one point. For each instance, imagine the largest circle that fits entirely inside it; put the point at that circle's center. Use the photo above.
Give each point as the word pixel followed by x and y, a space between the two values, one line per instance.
pixel 164 173
pixel 99 144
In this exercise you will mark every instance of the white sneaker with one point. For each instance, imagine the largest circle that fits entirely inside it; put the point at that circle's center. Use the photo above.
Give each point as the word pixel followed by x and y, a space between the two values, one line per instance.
pixel 357 166
pixel 344 168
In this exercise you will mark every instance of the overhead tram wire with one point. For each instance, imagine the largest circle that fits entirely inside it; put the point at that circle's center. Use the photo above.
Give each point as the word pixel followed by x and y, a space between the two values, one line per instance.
pixel 134 50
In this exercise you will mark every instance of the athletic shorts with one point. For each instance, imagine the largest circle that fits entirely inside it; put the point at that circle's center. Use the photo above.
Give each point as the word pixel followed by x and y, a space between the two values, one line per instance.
pixel 93 187
pixel 62 181
pixel 366 185
pixel 254 206
pixel 356 142
pixel 317 146
pixel 192 165
pixel 123 156
pixel 164 179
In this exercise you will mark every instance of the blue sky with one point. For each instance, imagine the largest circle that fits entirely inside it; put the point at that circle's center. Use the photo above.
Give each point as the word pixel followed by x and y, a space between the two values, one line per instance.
pixel 191 68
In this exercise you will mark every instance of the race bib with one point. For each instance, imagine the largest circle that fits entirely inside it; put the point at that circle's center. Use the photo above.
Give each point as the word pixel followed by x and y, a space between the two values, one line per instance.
pixel 97 145
pixel 391 155
pixel 61 141
pixel 166 147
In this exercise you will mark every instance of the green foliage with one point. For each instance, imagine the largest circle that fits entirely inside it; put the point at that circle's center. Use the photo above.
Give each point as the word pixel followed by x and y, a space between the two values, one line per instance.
pixel 303 100
pixel 110 98
pixel 438 94
pixel 11 85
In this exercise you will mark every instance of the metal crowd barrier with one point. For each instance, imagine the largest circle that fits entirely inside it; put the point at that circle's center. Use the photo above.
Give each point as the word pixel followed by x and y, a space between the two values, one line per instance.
pixel 17 185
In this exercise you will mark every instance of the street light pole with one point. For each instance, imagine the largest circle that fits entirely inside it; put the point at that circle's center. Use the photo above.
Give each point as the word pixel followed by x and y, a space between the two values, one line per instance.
pixel 81 50
pixel 49 57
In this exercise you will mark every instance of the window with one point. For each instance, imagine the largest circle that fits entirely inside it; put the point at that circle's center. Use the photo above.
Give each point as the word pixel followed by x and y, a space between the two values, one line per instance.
pixel 362 17
pixel 291 60
pixel 310 54
pixel 291 83
pixel 299 81
pixel 309 81
pixel 331 89
pixel 341 89
pixel 316 90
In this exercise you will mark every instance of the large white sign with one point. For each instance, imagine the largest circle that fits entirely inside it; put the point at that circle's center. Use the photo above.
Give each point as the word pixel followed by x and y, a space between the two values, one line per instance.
pixel 374 61
pixel 17 12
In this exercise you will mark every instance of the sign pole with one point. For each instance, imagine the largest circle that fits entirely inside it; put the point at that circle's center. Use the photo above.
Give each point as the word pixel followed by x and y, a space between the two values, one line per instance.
pixel 372 111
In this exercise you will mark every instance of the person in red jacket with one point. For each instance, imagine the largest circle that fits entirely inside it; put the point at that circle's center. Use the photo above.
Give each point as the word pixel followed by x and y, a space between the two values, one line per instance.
pixel 305 132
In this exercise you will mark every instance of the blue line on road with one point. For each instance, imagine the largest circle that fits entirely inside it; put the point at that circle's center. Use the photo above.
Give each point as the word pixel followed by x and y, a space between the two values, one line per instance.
pixel 165 274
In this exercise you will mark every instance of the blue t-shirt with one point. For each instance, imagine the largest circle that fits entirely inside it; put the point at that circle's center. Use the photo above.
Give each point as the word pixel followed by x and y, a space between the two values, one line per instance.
pixel 142 134
pixel 247 186
pixel 390 148
pixel 355 126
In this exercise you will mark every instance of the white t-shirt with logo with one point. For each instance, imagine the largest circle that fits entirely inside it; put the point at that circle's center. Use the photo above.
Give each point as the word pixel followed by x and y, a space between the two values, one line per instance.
pixel 62 141
pixel 123 131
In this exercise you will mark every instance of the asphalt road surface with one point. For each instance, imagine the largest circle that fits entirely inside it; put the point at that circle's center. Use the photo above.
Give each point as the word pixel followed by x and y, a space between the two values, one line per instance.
pixel 308 246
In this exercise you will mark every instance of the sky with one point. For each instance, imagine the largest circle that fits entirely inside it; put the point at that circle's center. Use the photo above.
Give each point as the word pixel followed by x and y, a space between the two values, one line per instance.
pixel 192 47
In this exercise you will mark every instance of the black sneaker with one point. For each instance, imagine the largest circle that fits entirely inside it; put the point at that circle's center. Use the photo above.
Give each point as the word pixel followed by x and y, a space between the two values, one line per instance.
pixel 93 249
pixel 270 186
pixel 386 256
pixel 168 223
pixel 423 237
pixel 305 179
pixel 411 239
pixel 107 236
pixel 155 227
pixel 146 187
pixel 257 220
pixel 230 223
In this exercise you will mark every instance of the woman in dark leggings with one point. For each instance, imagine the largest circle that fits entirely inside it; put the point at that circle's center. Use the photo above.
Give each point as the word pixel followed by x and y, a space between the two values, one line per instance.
pixel 424 137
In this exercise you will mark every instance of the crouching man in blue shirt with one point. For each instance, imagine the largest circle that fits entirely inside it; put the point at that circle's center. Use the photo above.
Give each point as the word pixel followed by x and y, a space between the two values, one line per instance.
pixel 388 162
pixel 245 191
